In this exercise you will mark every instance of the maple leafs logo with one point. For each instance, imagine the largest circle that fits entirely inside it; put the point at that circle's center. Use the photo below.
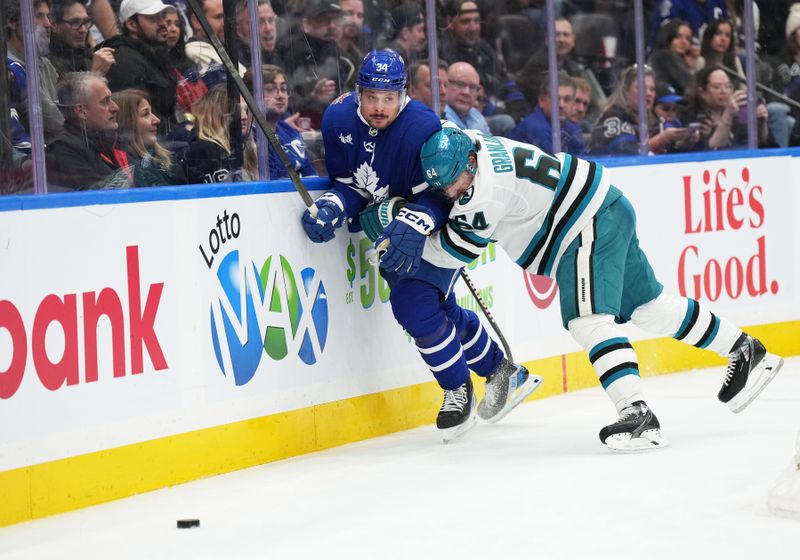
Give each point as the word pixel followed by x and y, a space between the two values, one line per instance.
pixel 367 179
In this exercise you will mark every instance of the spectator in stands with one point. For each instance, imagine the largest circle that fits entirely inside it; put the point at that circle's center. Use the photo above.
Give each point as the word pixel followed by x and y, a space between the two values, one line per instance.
pixel 461 94
pixel 668 60
pixel 267 34
pixel 408 32
pixel 419 84
pixel 528 78
pixel 498 120
pixel 69 51
pixel 348 41
pixel 151 163
pixel 720 111
pixel 462 42
pixel 697 13
pixel 142 59
pixel 718 46
pixel 536 128
pixel 581 103
pixel 276 102
pixel 210 157
pixel 86 155
pixel 176 42
pixel 668 107
pixel 617 131
pixel 786 76
pixel 199 48
pixel 316 70
pixel 15 63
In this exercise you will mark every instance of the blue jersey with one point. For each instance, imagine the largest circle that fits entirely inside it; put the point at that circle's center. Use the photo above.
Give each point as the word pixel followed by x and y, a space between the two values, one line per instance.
pixel 368 165
pixel 296 151
pixel 696 13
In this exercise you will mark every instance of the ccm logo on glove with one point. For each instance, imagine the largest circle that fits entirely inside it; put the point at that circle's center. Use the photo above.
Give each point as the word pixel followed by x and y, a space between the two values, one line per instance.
pixel 420 221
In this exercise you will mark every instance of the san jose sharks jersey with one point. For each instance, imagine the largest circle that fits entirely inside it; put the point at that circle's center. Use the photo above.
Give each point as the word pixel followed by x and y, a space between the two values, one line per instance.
pixel 530 202
pixel 368 165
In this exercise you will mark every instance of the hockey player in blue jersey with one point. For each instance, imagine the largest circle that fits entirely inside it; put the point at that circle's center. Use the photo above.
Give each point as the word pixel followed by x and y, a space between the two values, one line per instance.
pixel 559 216
pixel 372 140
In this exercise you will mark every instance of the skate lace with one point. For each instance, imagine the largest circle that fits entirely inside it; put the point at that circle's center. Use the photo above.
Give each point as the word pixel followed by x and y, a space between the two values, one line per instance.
pixel 733 361
pixel 627 412
pixel 454 401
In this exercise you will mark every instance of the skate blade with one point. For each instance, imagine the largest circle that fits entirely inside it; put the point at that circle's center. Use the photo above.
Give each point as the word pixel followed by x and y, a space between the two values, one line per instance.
pixel 449 434
pixel 759 378
pixel 650 440
pixel 523 392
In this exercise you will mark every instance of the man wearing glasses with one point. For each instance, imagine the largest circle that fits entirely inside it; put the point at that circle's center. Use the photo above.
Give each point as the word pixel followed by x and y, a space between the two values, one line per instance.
pixel 461 94
pixel 68 49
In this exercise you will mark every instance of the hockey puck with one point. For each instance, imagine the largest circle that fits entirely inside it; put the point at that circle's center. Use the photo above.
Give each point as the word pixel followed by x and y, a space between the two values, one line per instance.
pixel 188 523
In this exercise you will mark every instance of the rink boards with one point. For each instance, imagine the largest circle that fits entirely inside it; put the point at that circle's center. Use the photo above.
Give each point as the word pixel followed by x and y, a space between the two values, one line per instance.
pixel 152 337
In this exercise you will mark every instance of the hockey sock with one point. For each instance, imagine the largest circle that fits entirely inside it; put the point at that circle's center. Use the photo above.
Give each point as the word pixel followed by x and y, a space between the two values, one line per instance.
pixel 612 357
pixel 686 320
pixel 483 354
pixel 442 352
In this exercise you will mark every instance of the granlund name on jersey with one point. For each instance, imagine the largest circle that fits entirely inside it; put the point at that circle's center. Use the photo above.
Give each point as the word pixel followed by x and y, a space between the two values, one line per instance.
pixel 532 203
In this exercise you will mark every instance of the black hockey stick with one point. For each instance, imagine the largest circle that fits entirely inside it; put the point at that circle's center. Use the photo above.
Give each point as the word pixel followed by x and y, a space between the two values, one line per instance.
pixel 259 117
pixel 488 314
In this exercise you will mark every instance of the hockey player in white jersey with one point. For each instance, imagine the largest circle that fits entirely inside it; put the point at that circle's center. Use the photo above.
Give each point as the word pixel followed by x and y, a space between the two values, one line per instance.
pixel 559 216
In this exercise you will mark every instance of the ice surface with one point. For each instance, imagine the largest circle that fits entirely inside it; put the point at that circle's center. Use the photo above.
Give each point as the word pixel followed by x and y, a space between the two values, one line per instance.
pixel 539 485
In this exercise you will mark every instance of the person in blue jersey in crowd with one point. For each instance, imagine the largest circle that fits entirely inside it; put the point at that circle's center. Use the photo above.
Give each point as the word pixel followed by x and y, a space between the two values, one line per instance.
pixel 559 216
pixel 276 102
pixel 372 140
pixel 537 129
pixel 697 12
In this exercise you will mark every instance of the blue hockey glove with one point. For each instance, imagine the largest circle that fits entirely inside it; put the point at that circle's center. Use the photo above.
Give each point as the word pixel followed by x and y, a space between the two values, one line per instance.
pixel 406 238
pixel 326 214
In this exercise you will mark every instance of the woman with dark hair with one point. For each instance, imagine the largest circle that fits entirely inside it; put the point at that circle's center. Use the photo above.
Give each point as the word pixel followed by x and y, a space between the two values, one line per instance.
pixel 617 131
pixel 718 47
pixel 719 110
pixel 138 129
pixel 669 59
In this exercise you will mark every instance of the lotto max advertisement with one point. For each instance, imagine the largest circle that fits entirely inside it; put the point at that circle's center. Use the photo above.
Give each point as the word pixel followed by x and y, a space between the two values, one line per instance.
pixel 122 323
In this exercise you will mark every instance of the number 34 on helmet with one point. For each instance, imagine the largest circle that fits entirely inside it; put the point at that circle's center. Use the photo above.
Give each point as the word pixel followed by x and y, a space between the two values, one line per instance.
pixel 445 155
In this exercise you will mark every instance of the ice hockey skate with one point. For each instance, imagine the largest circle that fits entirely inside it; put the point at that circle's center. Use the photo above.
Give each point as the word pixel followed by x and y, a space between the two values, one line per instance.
pixel 750 369
pixel 457 414
pixel 636 430
pixel 509 385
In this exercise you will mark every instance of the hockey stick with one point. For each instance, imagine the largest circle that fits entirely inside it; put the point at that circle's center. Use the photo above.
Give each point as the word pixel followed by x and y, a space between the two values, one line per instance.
pixel 486 313
pixel 251 104
pixel 295 178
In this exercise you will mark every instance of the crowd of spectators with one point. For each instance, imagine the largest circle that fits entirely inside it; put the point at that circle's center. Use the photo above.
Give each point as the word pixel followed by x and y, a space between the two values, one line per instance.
pixel 132 93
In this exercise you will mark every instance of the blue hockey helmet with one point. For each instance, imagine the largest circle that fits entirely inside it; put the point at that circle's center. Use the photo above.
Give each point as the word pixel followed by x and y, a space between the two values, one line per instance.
pixel 382 70
pixel 445 155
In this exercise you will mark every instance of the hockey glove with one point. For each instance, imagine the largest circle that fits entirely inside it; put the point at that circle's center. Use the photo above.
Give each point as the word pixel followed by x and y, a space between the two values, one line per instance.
pixel 326 214
pixel 406 236
pixel 375 217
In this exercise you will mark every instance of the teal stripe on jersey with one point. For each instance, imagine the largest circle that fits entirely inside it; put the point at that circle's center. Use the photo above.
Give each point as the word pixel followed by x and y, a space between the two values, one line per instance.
pixel 567 173
pixel 690 311
pixel 577 214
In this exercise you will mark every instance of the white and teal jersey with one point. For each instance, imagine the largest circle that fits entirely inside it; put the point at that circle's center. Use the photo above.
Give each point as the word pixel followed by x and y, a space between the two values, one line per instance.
pixel 532 203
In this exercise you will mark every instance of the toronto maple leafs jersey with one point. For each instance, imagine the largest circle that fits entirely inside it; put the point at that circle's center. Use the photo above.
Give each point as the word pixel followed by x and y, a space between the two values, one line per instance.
pixel 368 165
pixel 532 203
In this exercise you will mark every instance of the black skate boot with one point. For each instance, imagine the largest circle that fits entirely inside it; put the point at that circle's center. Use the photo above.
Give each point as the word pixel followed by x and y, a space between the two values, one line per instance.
pixel 750 369
pixel 457 414
pixel 509 385
pixel 636 430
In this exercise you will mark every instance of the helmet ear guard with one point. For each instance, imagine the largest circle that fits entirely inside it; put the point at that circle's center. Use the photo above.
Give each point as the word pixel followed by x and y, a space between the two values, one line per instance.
pixel 445 155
